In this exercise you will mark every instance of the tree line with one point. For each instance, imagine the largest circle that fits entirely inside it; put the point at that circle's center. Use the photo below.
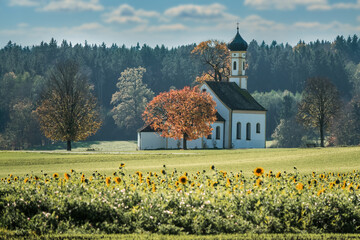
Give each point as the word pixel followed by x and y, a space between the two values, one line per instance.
pixel 276 72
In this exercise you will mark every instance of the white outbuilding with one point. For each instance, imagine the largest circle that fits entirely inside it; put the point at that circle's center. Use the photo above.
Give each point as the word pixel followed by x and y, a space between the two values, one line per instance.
pixel 240 118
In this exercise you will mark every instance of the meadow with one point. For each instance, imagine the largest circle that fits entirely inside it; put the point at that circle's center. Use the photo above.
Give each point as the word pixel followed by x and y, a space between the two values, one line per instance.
pixel 196 192
pixel 108 155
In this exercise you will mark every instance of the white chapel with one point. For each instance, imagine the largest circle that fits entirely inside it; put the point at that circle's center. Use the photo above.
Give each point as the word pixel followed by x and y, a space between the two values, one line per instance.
pixel 240 118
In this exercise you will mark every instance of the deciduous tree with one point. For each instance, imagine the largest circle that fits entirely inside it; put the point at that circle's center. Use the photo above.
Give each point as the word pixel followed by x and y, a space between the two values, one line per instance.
pixel 68 110
pixel 320 104
pixel 131 98
pixel 288 133
pixel 215 54
pixel 347 125
pixel 185 114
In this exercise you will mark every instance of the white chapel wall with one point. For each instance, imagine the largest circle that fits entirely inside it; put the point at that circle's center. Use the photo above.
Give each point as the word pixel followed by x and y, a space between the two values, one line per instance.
pixel 222 110
pixel 150 140
pixel 257 139
pixel 213 142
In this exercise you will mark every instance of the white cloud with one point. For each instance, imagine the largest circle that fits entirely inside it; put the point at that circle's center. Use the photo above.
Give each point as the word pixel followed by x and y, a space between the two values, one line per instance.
pixel 283 4
pixel 214 12
pixel 191 11
pixel 72 5
pixel 24 3
pixel 333 26
pixel 160 28
pixel 22 25
pixel 327 6
pixel 88 26
pixel 127 14
pixel 257 23
pixel 321 5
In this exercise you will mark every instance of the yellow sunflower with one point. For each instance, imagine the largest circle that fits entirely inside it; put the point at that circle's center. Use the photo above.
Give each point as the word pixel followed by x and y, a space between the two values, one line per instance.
pixel 320 192
pixel 67 176
pixel 278 175
pixel 55 175
pixel 117 180
pixel 259 182
pixel 214 184
pixel 300 186
pixel 183 179
pixel 258 171
pixel 108 181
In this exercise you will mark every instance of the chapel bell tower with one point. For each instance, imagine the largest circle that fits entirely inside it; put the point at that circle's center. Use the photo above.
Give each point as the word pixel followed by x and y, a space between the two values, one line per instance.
pixel 238 48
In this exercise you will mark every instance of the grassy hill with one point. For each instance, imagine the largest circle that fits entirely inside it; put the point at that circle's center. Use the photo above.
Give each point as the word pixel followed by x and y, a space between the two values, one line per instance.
pixel 105 157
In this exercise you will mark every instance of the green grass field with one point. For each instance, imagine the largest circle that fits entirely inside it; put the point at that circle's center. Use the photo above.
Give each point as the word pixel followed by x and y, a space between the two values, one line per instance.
pixel 108 155
pixel 105 157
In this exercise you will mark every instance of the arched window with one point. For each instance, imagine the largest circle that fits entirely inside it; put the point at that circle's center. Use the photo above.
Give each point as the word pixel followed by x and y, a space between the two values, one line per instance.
pixel 234 67
pixel 248 131
pixel 217 132
pixel 238 130
pixel 209 136
pixel 243 63
pixel 258 128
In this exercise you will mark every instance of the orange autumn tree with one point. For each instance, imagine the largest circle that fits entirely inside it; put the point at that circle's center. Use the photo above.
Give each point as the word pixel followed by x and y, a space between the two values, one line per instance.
pixel 216 55
pixel 185 114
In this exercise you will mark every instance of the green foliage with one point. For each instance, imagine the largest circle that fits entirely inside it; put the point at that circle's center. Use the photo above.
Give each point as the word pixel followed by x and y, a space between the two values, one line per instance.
pixel 18 96
pixel 288 133
pixel 346 129
pixel 279 105
pixel 354 72
pixel 22 130
pixel 131 99
pixel 217 202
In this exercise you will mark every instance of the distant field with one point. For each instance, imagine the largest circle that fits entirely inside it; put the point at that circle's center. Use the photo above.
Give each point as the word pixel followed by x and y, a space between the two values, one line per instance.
pixel 108 155
pixel 90 146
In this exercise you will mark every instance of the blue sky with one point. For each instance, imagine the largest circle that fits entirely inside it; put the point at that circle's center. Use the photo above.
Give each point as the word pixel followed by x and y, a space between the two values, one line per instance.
pixel 175 22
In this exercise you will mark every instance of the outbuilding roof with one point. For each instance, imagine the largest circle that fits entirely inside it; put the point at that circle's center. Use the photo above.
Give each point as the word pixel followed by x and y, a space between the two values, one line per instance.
pixel 234 97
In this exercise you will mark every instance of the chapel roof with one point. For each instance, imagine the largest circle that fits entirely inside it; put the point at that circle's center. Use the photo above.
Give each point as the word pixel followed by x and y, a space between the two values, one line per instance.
pixel 234 97
pixel 238 43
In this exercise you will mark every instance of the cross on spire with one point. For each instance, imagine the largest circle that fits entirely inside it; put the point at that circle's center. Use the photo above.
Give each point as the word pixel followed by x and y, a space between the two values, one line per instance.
pixel 237 26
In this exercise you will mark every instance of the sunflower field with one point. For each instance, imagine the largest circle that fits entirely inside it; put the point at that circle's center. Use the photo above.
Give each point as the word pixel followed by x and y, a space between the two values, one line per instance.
pixel 210 201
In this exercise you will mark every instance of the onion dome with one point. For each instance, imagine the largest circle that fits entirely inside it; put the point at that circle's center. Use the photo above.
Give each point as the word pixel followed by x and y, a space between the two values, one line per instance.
pixel 238 43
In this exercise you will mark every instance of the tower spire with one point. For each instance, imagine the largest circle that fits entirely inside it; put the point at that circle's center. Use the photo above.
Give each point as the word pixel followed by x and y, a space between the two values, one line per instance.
pixel 238 47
